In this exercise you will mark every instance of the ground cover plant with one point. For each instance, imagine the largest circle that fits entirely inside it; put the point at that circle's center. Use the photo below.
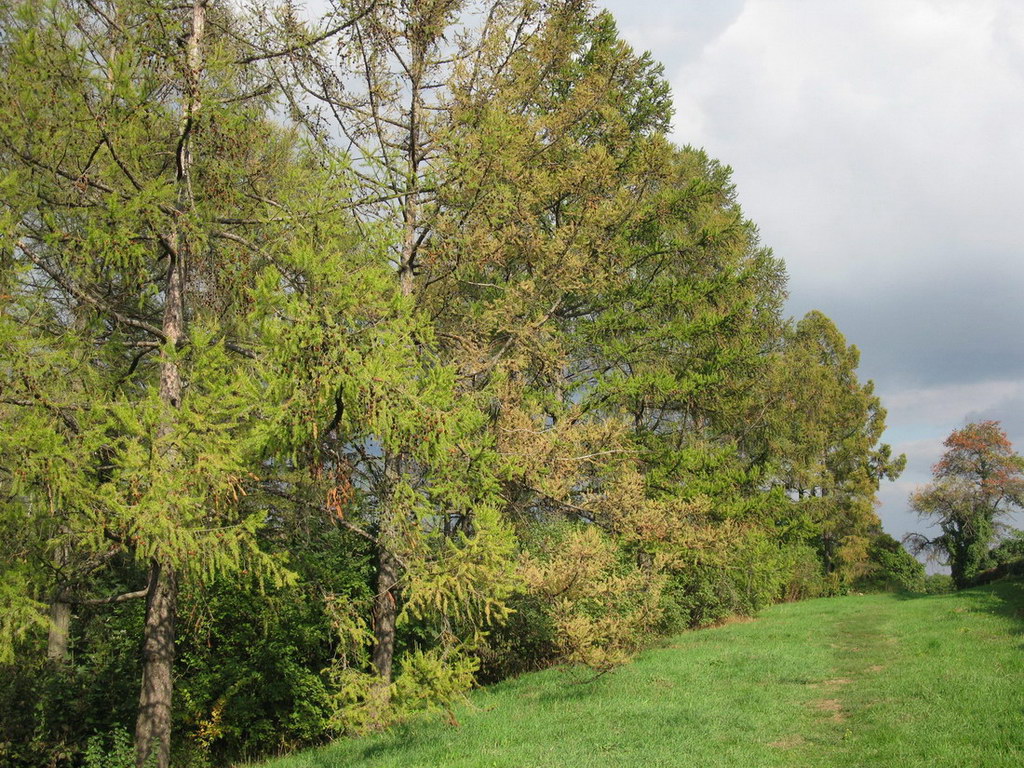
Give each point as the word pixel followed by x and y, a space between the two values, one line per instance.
pixel 881 680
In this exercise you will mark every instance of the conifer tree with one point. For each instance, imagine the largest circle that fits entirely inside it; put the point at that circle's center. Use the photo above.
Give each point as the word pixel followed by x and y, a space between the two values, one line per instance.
pixel 424 481
pixel 827 442
pixel 141 179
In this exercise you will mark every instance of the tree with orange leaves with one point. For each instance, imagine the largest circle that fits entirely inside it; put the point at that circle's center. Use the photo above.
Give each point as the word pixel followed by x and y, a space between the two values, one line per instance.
pixel 978 480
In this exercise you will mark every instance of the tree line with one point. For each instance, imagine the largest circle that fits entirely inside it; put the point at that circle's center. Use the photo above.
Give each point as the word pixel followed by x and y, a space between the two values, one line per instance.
pixel 347 362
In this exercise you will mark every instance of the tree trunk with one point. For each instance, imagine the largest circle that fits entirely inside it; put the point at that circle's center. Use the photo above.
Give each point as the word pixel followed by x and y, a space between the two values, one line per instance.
pixel 60 612
pixel 153 727
pixel 60 631
pixel 826 553
pixel 385 604
pixel 645 562
pixel 389 572
pixel 385 613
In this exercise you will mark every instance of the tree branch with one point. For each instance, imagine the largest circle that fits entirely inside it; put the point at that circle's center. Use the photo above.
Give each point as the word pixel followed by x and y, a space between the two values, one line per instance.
pixel 123 598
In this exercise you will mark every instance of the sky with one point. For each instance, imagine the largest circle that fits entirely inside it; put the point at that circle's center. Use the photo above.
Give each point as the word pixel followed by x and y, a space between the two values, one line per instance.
pixel 879 147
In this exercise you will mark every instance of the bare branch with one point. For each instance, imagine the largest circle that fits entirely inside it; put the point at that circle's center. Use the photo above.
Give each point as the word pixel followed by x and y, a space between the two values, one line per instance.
pixel 300 46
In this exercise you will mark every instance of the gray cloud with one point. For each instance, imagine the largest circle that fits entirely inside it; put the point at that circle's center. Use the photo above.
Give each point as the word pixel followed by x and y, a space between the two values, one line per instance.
pixel 941 327
pixel 877 145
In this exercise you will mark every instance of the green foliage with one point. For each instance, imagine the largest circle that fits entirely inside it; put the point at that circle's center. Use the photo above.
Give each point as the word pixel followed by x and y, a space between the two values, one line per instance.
pixel 823 446
pixel 525 642
pixel 252 686
pixel 978 481
pixel 52 712
pixel 113 751
pixel 893 568
pixel 21 614
pixel 464 349
pixel 1009 550
pixel 427 682
pixel 431 680
pixel 938 584
pixel 741 575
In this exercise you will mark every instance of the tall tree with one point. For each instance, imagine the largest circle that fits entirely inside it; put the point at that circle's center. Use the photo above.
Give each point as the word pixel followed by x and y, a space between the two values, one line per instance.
pixel 377 89
pixel 141 206
pixel 421 466
pixel 978 481
pixel 826 441
pixel 512 152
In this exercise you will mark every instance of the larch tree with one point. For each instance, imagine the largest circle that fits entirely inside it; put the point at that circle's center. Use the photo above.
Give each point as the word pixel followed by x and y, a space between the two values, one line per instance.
pixel 140 216
pixel 554 150
pixel 512 142
pixel 826 442
pixel 422 477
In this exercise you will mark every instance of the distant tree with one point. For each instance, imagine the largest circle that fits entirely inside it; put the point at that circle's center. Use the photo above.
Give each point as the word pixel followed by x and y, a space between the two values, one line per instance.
pixel 829 457
pixel 891 567
pixel 979 480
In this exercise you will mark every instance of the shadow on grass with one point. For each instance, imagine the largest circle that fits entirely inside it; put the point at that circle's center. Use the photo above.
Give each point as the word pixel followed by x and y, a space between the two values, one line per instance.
pixel 1004 597
pixel 398 739
pixel 1008 600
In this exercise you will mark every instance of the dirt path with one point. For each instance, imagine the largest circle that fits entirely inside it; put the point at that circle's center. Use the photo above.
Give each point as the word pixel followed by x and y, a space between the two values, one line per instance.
pixel 860 647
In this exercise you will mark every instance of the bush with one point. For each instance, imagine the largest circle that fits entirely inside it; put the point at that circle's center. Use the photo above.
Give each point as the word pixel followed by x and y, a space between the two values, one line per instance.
pixel 523 642
pixel 739 576
pixel 1009 550
pixel 112 750
pixel 252 662
pixel 938 584
pixel 891 568
pixel 50 713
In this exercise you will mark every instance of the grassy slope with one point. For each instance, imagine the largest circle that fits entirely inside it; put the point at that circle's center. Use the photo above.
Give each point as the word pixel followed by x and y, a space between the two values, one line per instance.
pixel 859 681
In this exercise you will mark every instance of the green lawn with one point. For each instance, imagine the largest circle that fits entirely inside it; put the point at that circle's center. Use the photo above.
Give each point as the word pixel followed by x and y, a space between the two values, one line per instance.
pixel 880 680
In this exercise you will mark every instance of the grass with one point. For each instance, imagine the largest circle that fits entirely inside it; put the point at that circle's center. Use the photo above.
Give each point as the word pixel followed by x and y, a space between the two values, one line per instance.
pixel 878 680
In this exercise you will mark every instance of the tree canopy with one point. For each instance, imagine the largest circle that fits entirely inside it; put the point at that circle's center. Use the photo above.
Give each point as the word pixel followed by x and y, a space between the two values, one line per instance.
pixel 344 363
pixel 978 481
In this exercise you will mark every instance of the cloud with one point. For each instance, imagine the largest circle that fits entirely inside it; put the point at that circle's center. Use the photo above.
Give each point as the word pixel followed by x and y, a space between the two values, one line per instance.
pixel 943 326
pixel 923 417
pixel 877 146
pixel 676 32
pixel 870 140
pixel 926 406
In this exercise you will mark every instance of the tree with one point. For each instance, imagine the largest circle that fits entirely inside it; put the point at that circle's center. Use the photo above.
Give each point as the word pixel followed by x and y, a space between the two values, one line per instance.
pixel 383 88
pixel 515 154
pixel 891 567
pixel 978 481
pixel 825 442
pixel 143 185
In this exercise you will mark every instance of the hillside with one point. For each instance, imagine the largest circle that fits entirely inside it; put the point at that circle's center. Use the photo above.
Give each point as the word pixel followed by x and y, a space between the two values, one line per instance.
pixel 873 680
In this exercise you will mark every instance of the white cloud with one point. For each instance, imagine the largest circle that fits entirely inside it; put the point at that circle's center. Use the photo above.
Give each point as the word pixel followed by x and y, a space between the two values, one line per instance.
pixel 869 139
pixel 877 146
pixel 675 31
